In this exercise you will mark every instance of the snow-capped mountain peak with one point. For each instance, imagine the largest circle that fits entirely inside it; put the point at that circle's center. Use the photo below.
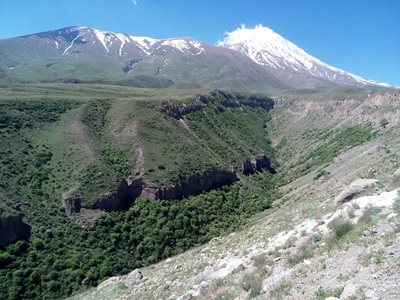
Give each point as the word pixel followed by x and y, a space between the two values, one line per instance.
pixel 286 60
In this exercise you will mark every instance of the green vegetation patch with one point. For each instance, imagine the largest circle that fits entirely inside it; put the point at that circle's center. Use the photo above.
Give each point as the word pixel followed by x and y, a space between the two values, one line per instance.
pixel 339 142
pixel 214 136
pixel 112 165
pixel 24 166
pixel 322 294
pixel 17 115
pixel 63 257
pixel 322 147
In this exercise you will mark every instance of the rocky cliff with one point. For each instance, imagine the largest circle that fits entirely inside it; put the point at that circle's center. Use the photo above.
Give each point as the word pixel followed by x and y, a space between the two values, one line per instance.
pixel 120 199
pixel 219 98
pixel 129 190
pixel 193 185
pixel 257 164
pixel 72 202
pixel 112 201
pixel 12 229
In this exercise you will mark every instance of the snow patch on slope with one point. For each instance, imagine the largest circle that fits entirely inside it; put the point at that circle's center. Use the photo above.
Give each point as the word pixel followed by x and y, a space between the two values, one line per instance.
pixel 181 45
pixel 72 43
pixel 145 43
pixel 104 38
pixel 124 39
pixel 184 46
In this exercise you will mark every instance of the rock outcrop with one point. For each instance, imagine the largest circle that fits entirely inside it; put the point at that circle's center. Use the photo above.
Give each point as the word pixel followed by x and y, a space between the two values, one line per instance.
pixel 177 111
pixel 72 202
pixel 120 199
pixel 126 281
pixel 193 185
pixel 257 164
pixel 238 100
pixel 357 188
pixel 129 190
pixel 218 97
pixel 12 229
pixel 112 201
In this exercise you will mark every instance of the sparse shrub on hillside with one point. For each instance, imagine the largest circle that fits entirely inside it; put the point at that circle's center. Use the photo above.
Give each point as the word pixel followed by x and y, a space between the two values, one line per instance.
pixel 341 229
pixel 282 290
pixel 383 123
pixel 377 257
pixel 322 173
pixel 334 143
pixel 300 256
pixel 94 116
pixel 252 283
pixel 322 294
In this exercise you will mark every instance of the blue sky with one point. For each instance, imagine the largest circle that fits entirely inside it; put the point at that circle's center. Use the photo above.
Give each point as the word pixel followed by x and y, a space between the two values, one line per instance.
pixel 360 36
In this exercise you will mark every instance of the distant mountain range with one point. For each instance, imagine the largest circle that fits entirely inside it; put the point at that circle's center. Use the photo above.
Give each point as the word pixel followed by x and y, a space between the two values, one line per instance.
pixel 247 59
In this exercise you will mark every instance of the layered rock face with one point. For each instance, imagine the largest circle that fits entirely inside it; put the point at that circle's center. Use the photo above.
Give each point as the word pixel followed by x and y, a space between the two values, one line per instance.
pixel 12 229
pixel 71 202
pixel 112 201
pixel 228 100
pixel 128 191
pixel 194 185
pixel 120 199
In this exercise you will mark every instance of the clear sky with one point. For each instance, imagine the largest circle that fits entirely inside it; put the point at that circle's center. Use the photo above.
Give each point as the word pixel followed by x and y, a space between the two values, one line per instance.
pixel 359 36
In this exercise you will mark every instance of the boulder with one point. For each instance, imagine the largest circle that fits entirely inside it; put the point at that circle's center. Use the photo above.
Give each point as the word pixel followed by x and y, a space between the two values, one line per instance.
pixel 357 188
pixel 193 185
pixel 110 284
pixel 349 291
pixel 133 277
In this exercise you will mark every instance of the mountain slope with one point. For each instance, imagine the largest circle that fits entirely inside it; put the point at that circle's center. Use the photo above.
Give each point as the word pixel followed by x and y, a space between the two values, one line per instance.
pixel 91 55
pixel 288 62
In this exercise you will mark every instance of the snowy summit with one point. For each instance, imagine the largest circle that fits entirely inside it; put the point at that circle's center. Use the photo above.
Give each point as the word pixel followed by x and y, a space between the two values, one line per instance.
pixel 285 59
